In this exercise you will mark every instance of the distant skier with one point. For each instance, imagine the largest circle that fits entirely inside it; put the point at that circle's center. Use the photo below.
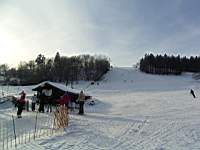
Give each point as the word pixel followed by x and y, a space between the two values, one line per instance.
pixel 192 92
pixel 21 104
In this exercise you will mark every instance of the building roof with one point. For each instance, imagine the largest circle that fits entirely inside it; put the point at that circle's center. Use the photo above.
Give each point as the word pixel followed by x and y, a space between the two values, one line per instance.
pixel 58 86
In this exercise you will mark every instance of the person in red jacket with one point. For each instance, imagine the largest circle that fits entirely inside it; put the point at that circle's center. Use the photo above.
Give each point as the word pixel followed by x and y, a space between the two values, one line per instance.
pixel 23 95
pixel 64 100
pixel 20 104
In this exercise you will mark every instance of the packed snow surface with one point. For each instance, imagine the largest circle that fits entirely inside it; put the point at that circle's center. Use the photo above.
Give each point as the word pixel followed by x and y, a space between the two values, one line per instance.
pixel 132 111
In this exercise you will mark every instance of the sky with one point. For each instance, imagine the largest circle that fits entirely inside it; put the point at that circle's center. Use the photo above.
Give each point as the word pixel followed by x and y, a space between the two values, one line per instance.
pixel 123 30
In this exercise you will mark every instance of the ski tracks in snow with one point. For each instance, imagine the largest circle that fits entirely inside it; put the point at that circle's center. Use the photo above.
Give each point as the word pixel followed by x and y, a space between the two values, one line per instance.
pixel 101 132
pixel 108 132
pixel 134 129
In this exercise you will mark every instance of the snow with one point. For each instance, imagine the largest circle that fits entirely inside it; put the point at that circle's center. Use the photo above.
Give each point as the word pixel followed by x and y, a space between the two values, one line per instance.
pixel 132 110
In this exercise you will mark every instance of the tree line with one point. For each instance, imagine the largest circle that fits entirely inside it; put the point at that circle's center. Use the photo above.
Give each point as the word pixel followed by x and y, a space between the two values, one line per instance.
pixel 58 69
pixel 164 64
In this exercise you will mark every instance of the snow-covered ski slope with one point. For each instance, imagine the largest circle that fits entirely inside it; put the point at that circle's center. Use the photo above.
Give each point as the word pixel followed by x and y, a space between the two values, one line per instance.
pixel 133 111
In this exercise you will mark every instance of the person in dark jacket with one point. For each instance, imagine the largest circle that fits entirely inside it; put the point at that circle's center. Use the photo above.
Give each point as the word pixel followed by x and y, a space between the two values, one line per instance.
pixel 21 104
pixel 34 99
pixel 192 92
pixel 81 100
pixel 49 104
pixel 41 103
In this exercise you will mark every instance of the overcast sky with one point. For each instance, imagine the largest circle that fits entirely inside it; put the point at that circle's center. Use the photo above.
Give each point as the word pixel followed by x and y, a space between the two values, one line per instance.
pixel 123 30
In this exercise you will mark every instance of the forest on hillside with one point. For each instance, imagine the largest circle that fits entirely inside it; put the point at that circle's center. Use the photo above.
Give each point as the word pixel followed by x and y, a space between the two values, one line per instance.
pixel 58 69
pixel 164 64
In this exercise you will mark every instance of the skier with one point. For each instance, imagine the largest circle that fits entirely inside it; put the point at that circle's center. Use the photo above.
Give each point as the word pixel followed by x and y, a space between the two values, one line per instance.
pixel 192 92
pixel 20 104
pixel 81 100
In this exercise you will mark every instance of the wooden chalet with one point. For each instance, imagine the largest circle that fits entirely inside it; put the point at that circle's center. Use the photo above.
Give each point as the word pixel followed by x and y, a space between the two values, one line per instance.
pixel 52 91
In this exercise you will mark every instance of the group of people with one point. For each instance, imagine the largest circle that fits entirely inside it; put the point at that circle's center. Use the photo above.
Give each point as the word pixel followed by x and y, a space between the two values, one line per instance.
pixel 63 101
pixel 66 99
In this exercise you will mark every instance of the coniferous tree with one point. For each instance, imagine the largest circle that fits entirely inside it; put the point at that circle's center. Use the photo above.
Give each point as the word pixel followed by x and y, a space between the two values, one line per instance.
pixel 169 64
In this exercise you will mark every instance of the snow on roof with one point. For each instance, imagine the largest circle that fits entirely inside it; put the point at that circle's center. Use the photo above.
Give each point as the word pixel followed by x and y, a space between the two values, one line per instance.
pixel 59 86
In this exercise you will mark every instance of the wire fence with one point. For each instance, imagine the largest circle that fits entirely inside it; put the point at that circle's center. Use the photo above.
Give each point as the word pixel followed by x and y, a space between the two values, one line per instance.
pixel 21 131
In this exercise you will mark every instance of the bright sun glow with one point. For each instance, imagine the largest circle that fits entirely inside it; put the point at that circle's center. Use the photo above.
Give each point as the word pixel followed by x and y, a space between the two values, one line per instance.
pixel 8 47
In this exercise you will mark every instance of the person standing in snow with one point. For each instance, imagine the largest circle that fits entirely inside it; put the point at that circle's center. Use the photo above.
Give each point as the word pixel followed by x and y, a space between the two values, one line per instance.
pixel 34 99
pixel 41 102
pixel 81 100
pixel 20 104
pixel 49 105
pixel 64 100
pixel 72 103
pixel 27 105
pixel 192 92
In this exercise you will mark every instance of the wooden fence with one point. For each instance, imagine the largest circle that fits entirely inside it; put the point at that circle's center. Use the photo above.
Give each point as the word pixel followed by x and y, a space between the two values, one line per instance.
pixel 23 130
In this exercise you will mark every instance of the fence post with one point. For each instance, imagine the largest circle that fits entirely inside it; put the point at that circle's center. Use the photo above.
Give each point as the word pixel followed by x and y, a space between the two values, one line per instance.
pixel 3 139
pixel 40 132
pixel 25 136
pixel 7 137
pixel 29 136
pixel 0 130
pixel 52 122
pixel 48 126
pixel 11 141
pixel 21 136
pixel 14 131
pixel 19 140
pixel 35 125
pixel 1 144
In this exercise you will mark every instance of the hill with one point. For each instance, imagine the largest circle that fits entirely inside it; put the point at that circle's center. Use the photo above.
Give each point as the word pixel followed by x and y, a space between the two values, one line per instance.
pixel 132 110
